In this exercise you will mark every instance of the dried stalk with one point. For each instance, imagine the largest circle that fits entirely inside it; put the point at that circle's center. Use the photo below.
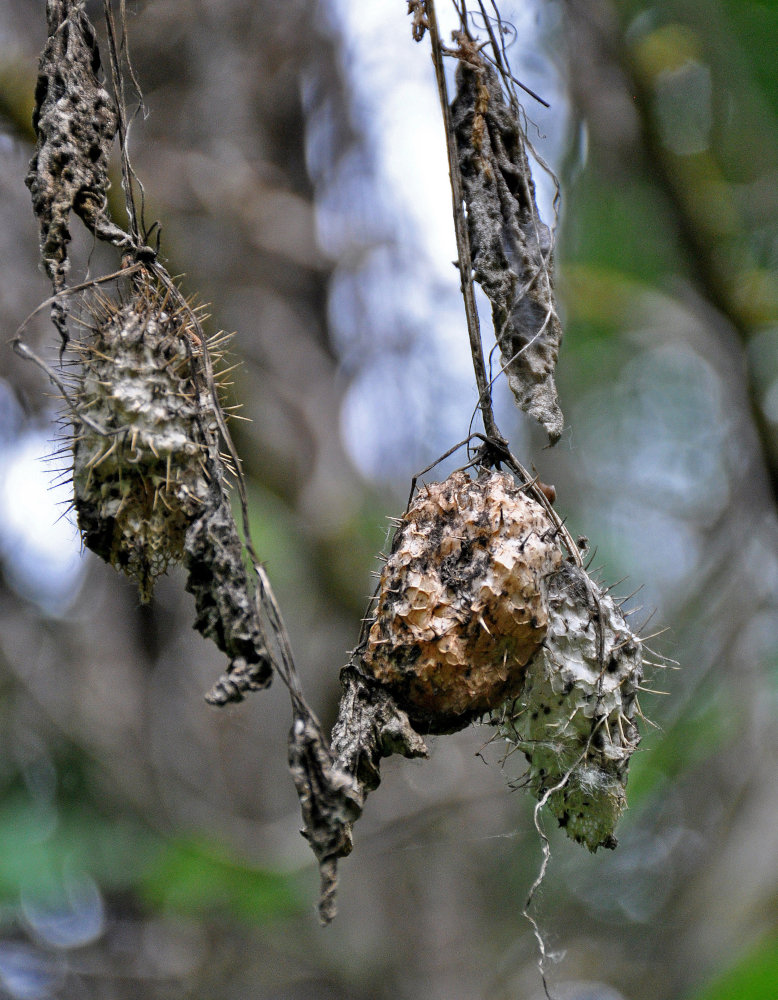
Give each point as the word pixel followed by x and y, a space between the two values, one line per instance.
pixel 464 256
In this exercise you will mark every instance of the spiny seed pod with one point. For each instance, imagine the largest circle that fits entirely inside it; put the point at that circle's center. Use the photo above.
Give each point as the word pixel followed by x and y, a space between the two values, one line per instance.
pixel 574 720
pixel 140 462
pixel 149 479
pixel 479 612
pixel 462 606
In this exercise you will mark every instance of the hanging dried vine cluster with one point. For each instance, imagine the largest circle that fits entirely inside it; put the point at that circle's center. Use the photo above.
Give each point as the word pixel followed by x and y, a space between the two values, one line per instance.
pixel 144 416
pixel 484 608
pixel 510 247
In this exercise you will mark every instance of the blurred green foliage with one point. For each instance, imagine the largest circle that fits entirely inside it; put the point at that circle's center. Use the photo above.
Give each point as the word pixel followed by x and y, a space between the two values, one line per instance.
pixel 753 977
pixel 193 877
pixel 45 838
pixel 673 750
pixel 39 842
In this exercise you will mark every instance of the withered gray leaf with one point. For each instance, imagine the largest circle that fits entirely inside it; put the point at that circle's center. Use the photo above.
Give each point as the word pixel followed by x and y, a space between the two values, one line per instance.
pixel 509 244
pixel 75 121
pixel 330 800
pixel 227 610
pixel 332 784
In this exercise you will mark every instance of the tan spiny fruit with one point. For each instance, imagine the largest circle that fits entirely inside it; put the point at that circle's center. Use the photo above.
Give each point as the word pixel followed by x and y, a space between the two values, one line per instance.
pixel 479 612
pixel 144 451
pixel 462 604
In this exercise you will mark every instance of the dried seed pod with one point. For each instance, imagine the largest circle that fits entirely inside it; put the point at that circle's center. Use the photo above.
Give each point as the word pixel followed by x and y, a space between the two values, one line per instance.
pixel 148 475
pixel 139 485
pixel 575 718
pixel 462 604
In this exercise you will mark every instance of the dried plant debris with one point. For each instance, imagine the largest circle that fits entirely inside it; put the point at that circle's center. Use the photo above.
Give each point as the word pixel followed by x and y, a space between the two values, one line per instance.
pixel 510 247
pixel 330 801
pixel 370 725
pixel 147 472
pixel 333 784
pixel 420 21
pixel 479 612
pixel 462 608
pixel 575 718
pixel 149 479
pixel 226 602
pixel 75 121
pixel 461 612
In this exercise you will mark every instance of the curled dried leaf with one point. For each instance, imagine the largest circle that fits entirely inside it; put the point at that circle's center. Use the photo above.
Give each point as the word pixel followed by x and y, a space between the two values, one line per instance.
pixel 330 800
pixel 227 610
pixel 333 783
pixel 75 121
pixel 420 23
pixel 510 247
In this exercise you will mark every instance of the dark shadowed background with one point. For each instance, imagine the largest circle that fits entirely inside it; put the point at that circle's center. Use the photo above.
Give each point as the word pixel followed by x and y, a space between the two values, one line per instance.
pixel 293 154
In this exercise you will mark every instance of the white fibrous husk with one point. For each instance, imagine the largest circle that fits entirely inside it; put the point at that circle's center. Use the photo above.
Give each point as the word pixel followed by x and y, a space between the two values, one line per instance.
pixel 462 606
pixel 149 480
pixel 575 718
pixel 139 485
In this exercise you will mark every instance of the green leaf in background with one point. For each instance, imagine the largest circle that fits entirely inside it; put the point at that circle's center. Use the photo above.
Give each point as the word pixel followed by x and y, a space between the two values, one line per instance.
pixel 678 749
pixel 39 845
pixel 195 878
pixel 754 977
pixel 751 24
pixel 39 842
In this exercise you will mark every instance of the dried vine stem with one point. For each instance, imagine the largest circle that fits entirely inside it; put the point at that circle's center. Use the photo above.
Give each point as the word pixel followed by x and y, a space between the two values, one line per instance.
pixel 478 611
pixel 428 19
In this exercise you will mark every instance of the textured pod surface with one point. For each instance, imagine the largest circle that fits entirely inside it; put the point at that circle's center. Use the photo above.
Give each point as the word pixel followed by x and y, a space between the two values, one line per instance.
pixel 139 484
pixel 575 718
pixel 148 476
pixel 462 605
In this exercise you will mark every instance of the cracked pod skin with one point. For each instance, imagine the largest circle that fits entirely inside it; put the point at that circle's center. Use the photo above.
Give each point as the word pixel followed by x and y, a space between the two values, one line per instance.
pixel 462 604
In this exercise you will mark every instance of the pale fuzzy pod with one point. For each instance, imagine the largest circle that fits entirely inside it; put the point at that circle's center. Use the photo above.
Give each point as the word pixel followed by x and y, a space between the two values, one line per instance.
pixel 139 485
pixel 462 604
pixel 575 718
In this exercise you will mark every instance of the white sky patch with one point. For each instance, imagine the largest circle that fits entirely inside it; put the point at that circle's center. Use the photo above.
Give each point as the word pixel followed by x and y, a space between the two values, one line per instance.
pixel 41 548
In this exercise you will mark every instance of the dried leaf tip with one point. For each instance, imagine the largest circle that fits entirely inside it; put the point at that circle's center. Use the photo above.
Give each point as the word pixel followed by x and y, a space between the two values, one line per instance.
pixel 420 23
pixel 75 120
pixel 510 247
